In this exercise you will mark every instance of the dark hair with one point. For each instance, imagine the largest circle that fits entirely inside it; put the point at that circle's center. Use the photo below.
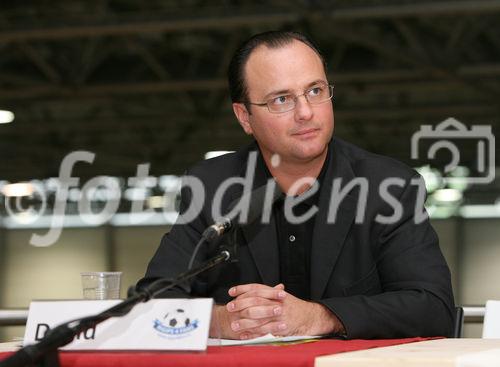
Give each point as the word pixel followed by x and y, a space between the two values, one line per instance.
pixel 272 39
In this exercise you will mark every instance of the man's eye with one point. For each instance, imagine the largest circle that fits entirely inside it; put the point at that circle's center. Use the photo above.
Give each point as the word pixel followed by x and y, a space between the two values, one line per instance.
pixel 281 100
pixel 316 91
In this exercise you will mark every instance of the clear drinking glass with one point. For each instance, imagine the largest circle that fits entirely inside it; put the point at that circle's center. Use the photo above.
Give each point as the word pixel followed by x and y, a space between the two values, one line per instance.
pixel 101 284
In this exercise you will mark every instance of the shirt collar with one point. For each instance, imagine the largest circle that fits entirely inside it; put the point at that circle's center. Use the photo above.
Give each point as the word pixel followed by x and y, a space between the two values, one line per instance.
pixel 263 174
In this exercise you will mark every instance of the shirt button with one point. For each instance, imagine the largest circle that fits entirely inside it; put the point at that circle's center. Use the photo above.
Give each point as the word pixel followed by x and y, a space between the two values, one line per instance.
pixel 291 238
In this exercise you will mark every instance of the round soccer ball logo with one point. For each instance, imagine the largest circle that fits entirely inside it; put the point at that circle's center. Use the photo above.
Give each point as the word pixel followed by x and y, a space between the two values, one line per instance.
pixel 177 318
pixel 175 324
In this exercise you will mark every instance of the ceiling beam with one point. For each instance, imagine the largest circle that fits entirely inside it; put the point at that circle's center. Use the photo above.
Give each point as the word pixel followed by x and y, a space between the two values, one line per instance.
pixel 417 9
pixel 142 26
pixel 412 38
pixel 149 26
pixel 362 78
pixel 397 53
pixel 37 59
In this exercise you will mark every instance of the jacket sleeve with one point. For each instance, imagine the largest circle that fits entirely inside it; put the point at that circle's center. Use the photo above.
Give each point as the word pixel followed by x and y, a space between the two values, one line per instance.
pixel 416 298
pixel 176 247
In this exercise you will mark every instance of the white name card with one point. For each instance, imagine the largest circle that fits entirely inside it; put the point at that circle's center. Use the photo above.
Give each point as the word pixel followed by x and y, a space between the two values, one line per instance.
pixel 161 324
pixel 491 325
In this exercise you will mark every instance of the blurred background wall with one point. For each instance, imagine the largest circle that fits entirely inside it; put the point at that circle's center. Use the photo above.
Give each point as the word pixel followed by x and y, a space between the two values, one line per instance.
pixel 137 82
pixel 470 246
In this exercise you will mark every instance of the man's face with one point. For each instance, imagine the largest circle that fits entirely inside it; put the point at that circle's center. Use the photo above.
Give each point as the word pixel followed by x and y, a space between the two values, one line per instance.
pixel 299 135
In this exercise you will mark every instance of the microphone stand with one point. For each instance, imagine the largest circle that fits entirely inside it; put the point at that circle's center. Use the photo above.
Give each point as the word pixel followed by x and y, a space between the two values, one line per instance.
pixel 45 353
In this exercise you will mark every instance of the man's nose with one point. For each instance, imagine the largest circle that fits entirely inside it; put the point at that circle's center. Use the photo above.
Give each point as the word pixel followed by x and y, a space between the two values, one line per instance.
pixel 303 110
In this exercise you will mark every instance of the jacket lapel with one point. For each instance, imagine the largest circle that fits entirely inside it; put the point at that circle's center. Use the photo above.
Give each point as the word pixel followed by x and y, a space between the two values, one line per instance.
pixel 261 238
pixel 263 244
pixel 328 238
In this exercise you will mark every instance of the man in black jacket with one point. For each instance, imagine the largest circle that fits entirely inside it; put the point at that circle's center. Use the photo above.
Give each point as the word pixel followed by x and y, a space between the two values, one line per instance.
pixel 346 250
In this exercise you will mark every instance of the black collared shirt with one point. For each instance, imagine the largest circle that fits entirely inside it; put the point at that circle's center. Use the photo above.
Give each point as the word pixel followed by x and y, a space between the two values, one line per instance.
pixel 295 241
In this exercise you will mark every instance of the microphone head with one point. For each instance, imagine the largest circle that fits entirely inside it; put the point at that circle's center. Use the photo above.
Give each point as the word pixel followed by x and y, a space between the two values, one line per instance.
pixel 247 208
pixel 217 229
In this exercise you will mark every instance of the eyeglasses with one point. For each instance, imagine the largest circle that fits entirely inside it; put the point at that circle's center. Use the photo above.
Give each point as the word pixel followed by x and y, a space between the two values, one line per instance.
pixel 317 94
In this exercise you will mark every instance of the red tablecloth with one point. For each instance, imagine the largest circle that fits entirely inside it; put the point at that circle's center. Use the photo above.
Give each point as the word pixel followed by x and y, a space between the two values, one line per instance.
pixel 268 355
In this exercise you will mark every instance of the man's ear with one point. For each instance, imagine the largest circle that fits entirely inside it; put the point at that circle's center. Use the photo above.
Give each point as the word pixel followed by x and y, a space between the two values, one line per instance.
pixel 243 117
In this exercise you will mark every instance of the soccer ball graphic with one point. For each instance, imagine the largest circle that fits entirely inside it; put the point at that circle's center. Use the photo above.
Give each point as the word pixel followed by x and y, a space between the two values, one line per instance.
pixel 177 318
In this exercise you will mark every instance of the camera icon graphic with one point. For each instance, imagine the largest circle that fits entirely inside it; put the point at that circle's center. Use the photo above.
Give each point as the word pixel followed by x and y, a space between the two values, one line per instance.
pixel 448 135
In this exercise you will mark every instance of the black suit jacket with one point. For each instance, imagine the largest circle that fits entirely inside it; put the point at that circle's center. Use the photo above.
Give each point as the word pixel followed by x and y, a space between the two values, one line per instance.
pixel 382 280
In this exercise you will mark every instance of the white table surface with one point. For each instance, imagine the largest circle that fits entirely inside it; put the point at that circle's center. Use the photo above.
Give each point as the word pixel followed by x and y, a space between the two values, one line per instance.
pixel 431 353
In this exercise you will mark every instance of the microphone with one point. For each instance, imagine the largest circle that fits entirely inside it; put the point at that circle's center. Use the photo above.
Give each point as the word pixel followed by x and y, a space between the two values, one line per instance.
pixel 258 199
pixel 217 229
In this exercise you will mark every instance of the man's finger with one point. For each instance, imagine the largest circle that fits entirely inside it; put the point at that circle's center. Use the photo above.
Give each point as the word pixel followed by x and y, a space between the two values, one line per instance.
pixel 247 325
pixel 274 327
pixel 243 288
pixel 269 293
pixel 261 312
pixel 242 303
pixel 242 291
